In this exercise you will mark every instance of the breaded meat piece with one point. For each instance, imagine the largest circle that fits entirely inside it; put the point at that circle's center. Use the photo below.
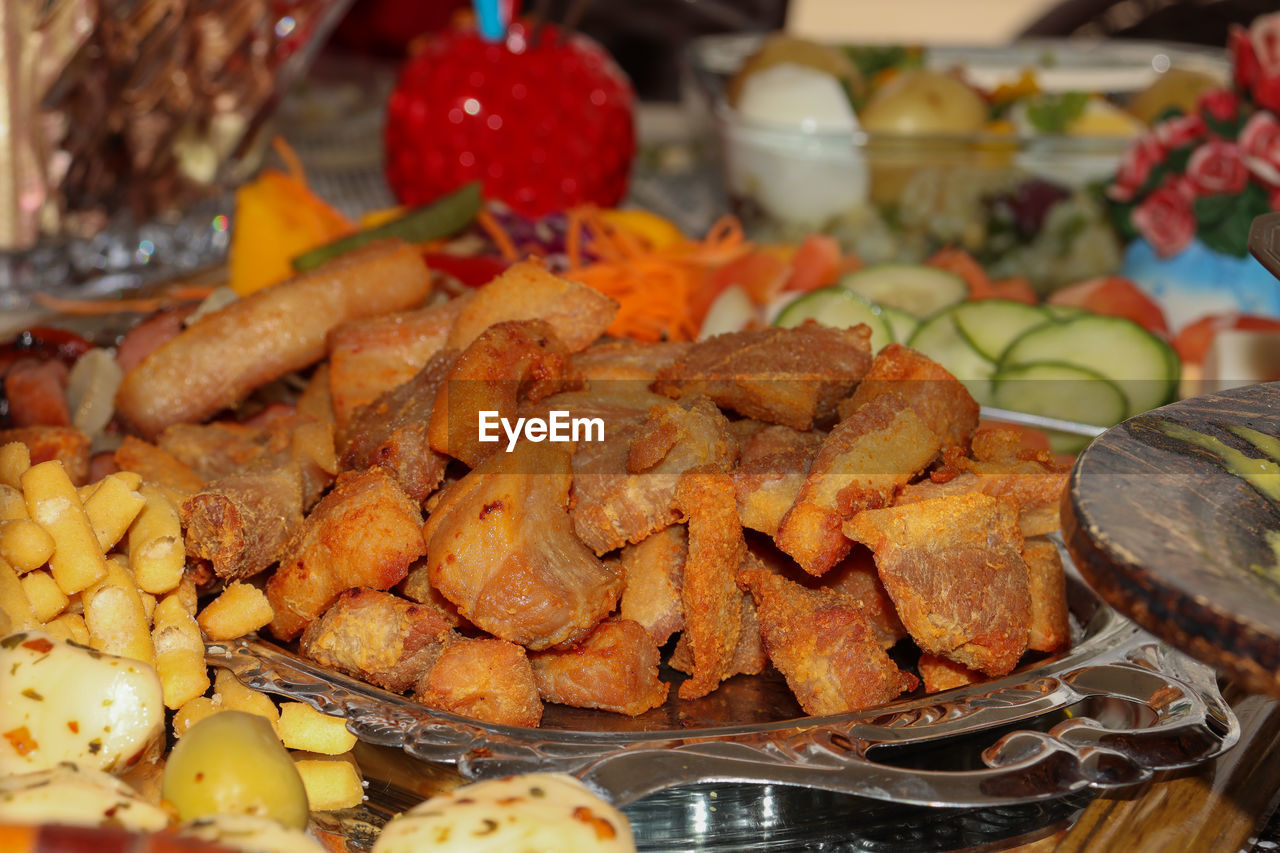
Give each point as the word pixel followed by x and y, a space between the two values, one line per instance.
pixel 748 657
pixel 941 400
pixel 954 569
pixel 364 533
pixel 163 470
pixel 613 361
pixel 862 463
pixel 770 472
pixel 1034 487
pixel 652 574
pixel 242 523
pixel 68 445
pixel 941 674
pixel 527 291
pixel 824 646
pixel 614 669
pixel 856 579
pixel 500 546
pixel 215 449
pixel 483 679
pixel 793 377
pixel 377 637
pixel 1050 615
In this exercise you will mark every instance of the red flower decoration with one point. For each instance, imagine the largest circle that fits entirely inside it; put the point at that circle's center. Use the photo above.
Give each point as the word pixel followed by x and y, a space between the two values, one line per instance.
pixel 1165 218
pixel 1260 147
pixel 1173 133
pixel 1220 104
pixel 1217 167
pixel 1255 54
pixel 1135 167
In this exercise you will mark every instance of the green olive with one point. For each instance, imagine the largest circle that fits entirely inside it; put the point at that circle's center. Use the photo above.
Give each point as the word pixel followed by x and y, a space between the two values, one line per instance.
pixel 233 763
pixel 923 101
pixel 1177 88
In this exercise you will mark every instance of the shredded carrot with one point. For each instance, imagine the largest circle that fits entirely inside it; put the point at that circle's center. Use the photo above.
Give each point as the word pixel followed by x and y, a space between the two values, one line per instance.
pixel 499 235
pixel 143 305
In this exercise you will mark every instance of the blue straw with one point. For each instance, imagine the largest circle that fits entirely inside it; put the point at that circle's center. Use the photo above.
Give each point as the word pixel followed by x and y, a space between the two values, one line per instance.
pixel 489 19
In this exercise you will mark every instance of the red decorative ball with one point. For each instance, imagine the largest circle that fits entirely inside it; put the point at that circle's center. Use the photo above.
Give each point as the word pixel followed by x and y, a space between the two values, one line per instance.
pixel 545 120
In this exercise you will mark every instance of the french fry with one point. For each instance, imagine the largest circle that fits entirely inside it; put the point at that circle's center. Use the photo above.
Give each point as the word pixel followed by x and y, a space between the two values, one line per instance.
pixel 238 697
pixel 51 499
pixel 68 626
pixel 115 618
pixel 111 509
pixel 156 551
pixel 179 652
pixel 12 504
pixel 15 458
pixel 25 544
pixel 331 782
pixel 46 598
pixel 13 601
pixel 303 727
pixel 240 609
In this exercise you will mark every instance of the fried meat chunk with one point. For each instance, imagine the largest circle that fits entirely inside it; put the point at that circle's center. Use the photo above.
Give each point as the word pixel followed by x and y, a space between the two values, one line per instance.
pixel 500 546
pixel 793 377
pixel 377 637
pixel 157 467
pixel 954 569
pixel 391 432
pixel 652 574
pixel 527 291
pixel 507 362
pixel 364 533
pixel 865 459
pixel 611 361
pixel 485 679
pixel 241 523
pixel 215 449
pixel 614 669
pixel 855 578
pixel 823 645
pixel 941 674
pixel 748 657
pixel 68 445
pixel 770 471
pixel 1050 615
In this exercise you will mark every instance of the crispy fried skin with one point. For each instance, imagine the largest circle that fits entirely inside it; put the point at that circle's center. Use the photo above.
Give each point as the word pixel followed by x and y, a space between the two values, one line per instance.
pixel 378 637
pixel 371 356
pixel 241 523
pixel 941 400
pixel 508 362
pixel 36 392
pixel 652 574
pixel 770 471
pixel 749 656
pixel 954 569
pixel 710 597
pixel 614 669
pixel 1036 490
pixel 364 533
pixel 823 645
pixel 612 360
pixel 68 445
pixel 485 679
pixel 861 464
pixel 1050 615
pixel 217 361
pixel 391 432
pixel 526 291
pixel 942 674
pixel 792 377
pixel 500 546
pixel 856 579
pixel 214 449
pixel 157 467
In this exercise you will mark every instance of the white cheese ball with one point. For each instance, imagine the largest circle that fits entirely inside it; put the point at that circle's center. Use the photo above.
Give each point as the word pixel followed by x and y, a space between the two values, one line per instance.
pixel 797 96
pixel 61 702
pixel 251 834
pixel 80 796
pixel 520 814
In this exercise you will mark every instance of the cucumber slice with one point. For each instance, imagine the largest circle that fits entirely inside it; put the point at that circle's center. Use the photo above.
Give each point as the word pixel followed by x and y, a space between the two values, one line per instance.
pixel 939 339
pixel 1118 349
pixel 1064 312
pixel 834 306
pixel 990 325
pixel 1063 391
pixel 918 289
pixel 901 324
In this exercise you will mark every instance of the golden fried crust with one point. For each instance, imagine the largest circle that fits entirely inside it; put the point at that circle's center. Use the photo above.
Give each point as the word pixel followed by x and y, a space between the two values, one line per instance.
pixel 1035 488
pixel 68 445
pixel 792 377
pixel 241 523
pixel 861 464
pixel 215 449
pixel 770 471
pixel 954 569
pixel 652 573
pixel 823 645
pixel 856 579
pixel 485 679
pixel 363 533
pixel 614 669
pixel 157 467
pixel 618 360
pixel 942 674
pixel 1050 616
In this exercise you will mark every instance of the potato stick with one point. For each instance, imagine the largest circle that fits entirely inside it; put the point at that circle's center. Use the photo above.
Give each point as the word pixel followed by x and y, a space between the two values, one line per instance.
pixel 111 509
pixel 186 593
pixel 15 458
pixel 12 503
pixel 77 561
pixel 179 652
pixel 240 609
pixel 114 616
pixel 13 601
pixel 68 626
pixel 156 551
pixel 25 544
pixel 47 600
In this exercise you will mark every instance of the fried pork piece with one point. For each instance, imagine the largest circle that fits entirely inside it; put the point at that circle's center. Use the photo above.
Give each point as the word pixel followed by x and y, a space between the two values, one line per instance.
pixel 484 679
pixel 1050 615
pixel 823 645
pixel 652 573
pixel 241 523
pixel 623 486
pixel 941 400
pixel 954 569
pixel 500 546
pixel 749 656
pixel 369 357
pixel 508 362
pixel 364 533
pixel 609 361
pixel 865 459
pixel 214 449
pixel 614 669
pixel 36 392
pixel 792 377
pixel 417 587
pixel 377 637
pixel 68 445
pixel 526 291
pixel 941 674
pixel 857 580
pixel 710 596
pixel 391 432
pixel 770 471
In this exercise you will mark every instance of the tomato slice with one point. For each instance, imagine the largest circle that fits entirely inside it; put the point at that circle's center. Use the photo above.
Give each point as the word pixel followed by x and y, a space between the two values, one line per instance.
pixel 965 265
pixel 761 274
pixel 1193 342
pixel 816 263
pixel 472 271
pixel 1115 296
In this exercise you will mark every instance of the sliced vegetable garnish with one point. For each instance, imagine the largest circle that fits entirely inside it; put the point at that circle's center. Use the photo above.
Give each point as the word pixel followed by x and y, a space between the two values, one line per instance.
pixel 918 289
pixel 990 325
pixel 834 306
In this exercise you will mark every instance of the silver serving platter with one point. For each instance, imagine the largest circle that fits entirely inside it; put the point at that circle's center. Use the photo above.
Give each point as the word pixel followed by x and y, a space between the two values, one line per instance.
pixel 1117 707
